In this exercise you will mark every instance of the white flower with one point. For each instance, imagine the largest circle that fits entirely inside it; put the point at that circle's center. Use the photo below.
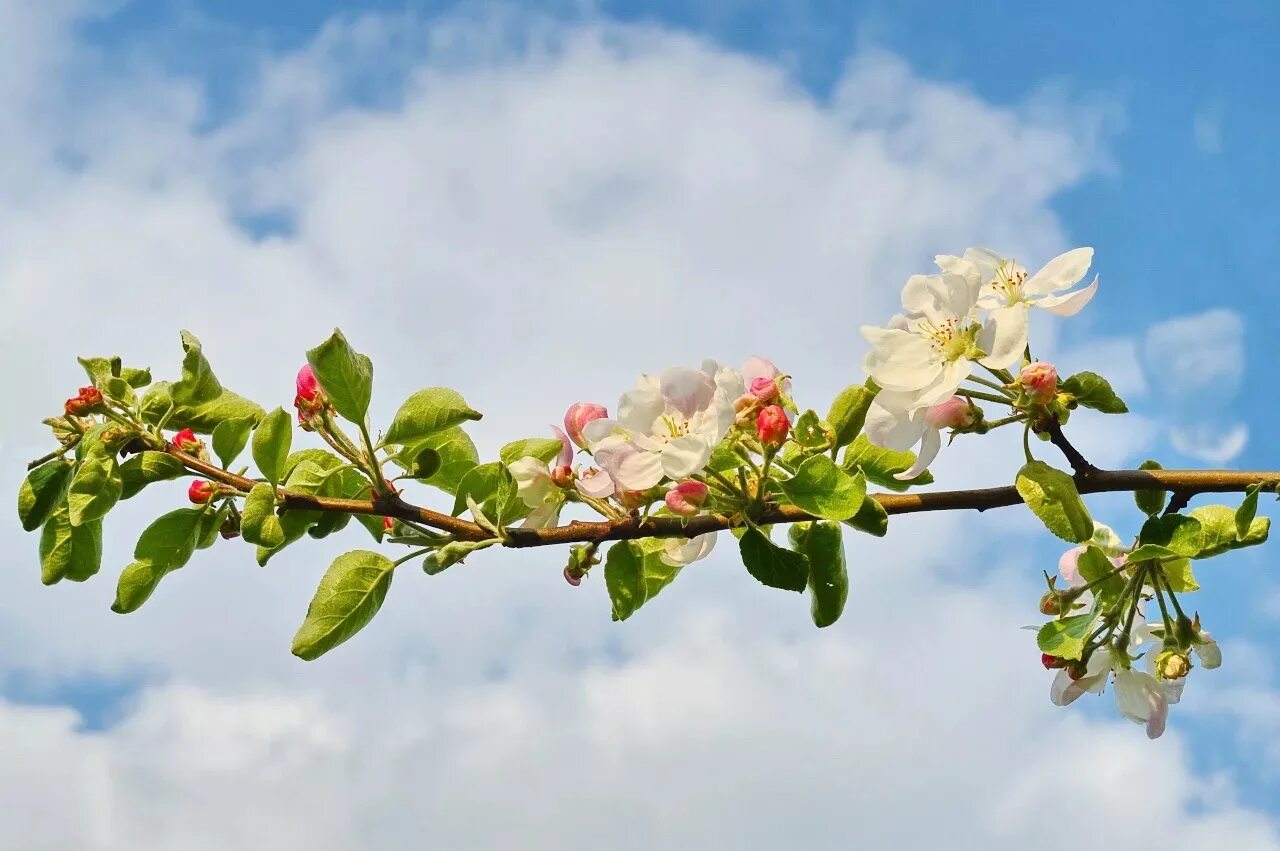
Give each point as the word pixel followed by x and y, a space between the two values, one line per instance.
pixel 1007 292
pixel 890 425
pixel 1143 699
pixel 535 487
pixel 667 426
pixel 1207 650
pixel 925 354
pixel 678 552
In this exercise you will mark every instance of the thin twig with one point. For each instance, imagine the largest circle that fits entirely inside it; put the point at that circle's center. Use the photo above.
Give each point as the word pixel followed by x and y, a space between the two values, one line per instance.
pixel 1078 462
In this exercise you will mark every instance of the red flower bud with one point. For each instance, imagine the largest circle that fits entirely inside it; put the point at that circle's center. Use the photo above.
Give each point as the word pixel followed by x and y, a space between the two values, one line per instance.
pixel 772 426
pixel 685 498
pixel 308 385
pixel 562 476
pixel 388 524
pixel 577 417
pixel 186 441
pixel 201 491
pixel 86 401
pixel 1051 662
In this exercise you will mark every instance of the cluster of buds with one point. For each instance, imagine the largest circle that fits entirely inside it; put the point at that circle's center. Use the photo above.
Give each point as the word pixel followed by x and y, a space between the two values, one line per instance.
pixel 87 401
pixel 311 401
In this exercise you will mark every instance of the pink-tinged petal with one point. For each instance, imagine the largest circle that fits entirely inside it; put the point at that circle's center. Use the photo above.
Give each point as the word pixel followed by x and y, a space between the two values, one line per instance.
pixel 929 446
pixel 1069 304
pixel 1156 723
pixel 1004 337
pixel 595 483
pixel 566 448
pixel 678 552
pixel 638 409
pixel 891 427
pixel 756 367
pixel 687 390
pixel 1138 695
pixel 597 430
pixel 685 456
pixel 578 416
pixel 1060 273
pixel 1069 567
pixel 630 467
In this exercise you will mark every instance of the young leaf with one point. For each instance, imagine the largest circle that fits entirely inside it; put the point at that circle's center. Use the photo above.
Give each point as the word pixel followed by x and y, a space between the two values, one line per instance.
pixel 1178 573
pixel 811 433
pixel 41 492
pixel 69 552
pixel 1220 532
pixel 271 443
pixel 427 412
pixel 1052 496
pixel 258 521
pixel 823 489
pixel 165 545
pixel 1094 391
pixel 1176 533
pixel 492 488
pixel 1065 637
pixel 1247 511
pixel 871 518
pixel 624 577
pixel 345 374
pixel 1150 502
pixel 823 544
pixel 1093 566
pixel 880 465
pixel 229 439
pixel 772 565
pixel 349 595
pixel 146 468
pixel 849 412
pixel 458 456
pixel 95 487
pixel 545 449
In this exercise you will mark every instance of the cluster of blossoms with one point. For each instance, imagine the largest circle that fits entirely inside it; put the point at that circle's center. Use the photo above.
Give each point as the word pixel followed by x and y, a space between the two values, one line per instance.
pixel 657 449
pixel 975 312
pixel 1113 606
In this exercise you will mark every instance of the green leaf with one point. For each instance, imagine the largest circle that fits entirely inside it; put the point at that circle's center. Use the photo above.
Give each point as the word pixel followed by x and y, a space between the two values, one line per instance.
pixel 871 518
pixel 1150 552
pixel 146 468
pixel 1247 511
pixel 1094 391
pixel 41 492
pixel 1094 565
pixel 271 443
pixel 1065 637
pixel 1177 533
pixel 451 554
pixel 1150 502
pixel 657 573
pixel 849 412
pixel 624 577
pixel 427 412
pixel 1052 496
pixel 823 545
pixel 258 521
pixel 545 449
pixel 772 565
pixel 211 525
pixel 229 439
pixel 198 384
pixel 1220 533
pixel 197 400
pixel 165 545
pixel 95 487
pixel 823 489
pixel 307 471
pixel 458 456
pixel 102 372
pixel 69 552
pixel 811 433
pixel 879 465
pixel 493 489
pixel 1178 573
pixel 345 374
pixel 349 595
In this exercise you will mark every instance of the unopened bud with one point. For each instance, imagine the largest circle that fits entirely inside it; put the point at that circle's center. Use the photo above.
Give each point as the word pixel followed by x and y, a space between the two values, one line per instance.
pixel 186 441
pixel 955 413
pixel 86 401
pixel 201 491
pixel 686 498
pixel 764 389
pixel 308 386
pixel 1039 381
pixel 772 426
pixel 562 476
pixel 573 577
pixel 1051 603
pixel 230 527
pixel 1052 662
pixel 577 417
pixel 1172 664
pixel 632 500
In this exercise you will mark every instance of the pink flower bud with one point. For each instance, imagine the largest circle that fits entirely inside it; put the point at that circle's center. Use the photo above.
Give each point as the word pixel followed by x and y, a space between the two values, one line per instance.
pixel 772 426
pixel 764 389
pixel 572 577
pixel 186 441
pixel 1052 662
pixel 1040 381
pixel 388 524
pixel 953 413
pixel 685 498
pixel 562 476
pixel 201 491
pixel 86 401
pixel 308 385
pixel 577 417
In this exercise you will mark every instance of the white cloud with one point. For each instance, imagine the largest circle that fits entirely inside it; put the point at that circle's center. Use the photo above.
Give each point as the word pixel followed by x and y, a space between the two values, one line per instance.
pixel 628 186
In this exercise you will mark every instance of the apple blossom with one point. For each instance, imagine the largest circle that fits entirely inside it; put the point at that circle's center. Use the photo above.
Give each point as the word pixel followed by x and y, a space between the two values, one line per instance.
pixel 536 486
pixel 1008 294
pixel 1143 699
pixel 677 552
pixel 86 401
pixel 686 498
pixel 772 426
pixel 891 425
pixel 595 483
pixel 667 426
pixel 1040 381
pixel 577 417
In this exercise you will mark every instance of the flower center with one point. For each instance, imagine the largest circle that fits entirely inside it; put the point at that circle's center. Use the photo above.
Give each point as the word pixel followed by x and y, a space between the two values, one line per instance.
pixel 952 339
pixel 675 427
pixel 1009 280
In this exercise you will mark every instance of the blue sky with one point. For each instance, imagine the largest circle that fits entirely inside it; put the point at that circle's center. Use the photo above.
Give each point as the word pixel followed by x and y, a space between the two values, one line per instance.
pixel 1150 137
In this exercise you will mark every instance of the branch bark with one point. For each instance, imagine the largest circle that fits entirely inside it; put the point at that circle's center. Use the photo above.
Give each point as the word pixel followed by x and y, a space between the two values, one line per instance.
pixel 1188 482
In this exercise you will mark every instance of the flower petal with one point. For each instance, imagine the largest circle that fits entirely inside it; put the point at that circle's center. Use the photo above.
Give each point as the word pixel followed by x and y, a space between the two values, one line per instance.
pixel 566 448
pixel 595 483
pixel 597 430
pixel 686 455
pixel 639 408
pixel 630 467
pixel 678 552
pixel 1060 273
pixel 1069 304
pixel 890 427
pixel 687 390
pixel 899 360
pixel 1004 337
pixel 929 446
pixel 533 483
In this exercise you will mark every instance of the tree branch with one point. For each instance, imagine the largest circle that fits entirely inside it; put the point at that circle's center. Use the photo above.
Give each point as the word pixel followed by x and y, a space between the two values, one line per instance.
pixel 1078 462
pixel 1188 482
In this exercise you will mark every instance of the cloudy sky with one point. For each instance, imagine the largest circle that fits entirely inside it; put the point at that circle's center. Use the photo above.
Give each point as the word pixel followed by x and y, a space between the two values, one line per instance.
pixel 534 204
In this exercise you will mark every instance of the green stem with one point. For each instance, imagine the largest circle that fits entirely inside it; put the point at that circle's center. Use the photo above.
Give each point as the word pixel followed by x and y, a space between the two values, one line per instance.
pixel 1016 418
pixel 1026 443
pixel 411 556
pixel 371 457
pixel 984 382
pixel 986 397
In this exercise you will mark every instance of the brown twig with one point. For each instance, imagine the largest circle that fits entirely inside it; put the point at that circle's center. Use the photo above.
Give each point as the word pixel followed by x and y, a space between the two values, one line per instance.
pixel 1075 458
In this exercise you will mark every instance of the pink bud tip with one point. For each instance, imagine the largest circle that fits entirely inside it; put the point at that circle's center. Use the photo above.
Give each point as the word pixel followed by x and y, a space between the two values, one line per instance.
pixel 84 402
pixel 1052 662
pixel 772 426
pixel 764 389
pixel 577 417
pixel 562 476
pixel 201 491
pixel 572 578
pixel 952 413
pixel 388 524
pixel 308 385
pixel 186 441
pixel 685 498
pixel 1040 381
